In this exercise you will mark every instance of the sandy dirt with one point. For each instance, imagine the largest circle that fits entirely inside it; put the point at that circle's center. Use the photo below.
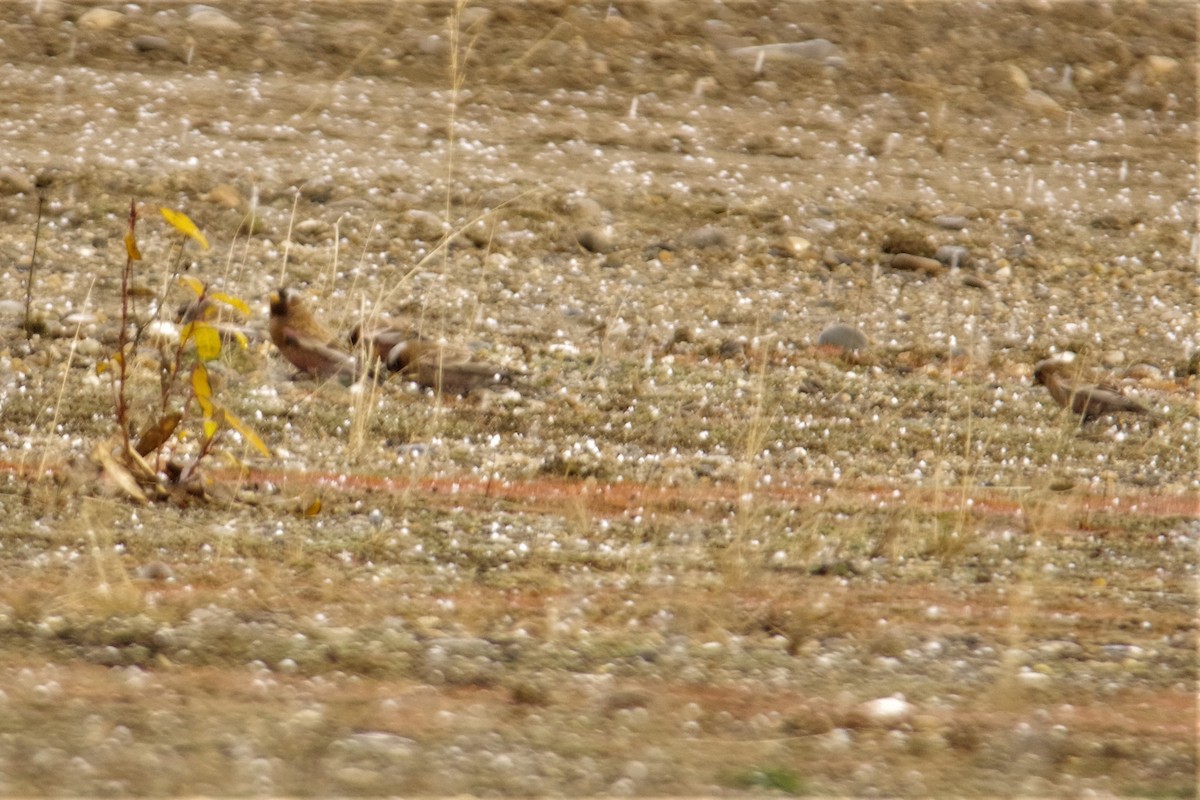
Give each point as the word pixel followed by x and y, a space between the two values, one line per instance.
pixel 700 550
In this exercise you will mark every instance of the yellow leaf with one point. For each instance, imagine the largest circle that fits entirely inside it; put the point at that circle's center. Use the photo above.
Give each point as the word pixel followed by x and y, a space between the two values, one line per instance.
pixel 210 428
pixel 203 390
pixel 231 301
pixel 156 436
pixel 103 367
pixel 208 341
pixel 192 283
pixel 247 434
pixel 131 247
pixel 313 508
pixel 182 223
pixel 241 339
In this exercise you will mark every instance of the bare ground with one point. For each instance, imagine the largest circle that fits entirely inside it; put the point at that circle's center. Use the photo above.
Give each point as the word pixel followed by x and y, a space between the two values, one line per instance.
pixel 699 550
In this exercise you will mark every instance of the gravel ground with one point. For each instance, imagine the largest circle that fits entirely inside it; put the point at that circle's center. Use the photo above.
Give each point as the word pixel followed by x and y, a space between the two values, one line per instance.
pixel 714 545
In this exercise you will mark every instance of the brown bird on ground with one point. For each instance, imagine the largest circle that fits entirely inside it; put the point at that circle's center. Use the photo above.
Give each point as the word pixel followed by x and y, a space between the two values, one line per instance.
pixel 304 341
pixel 446 369
pixel 1085 400
pixel 382 335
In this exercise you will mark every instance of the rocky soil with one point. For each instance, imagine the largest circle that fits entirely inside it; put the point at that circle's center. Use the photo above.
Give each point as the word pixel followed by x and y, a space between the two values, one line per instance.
pixel 715 544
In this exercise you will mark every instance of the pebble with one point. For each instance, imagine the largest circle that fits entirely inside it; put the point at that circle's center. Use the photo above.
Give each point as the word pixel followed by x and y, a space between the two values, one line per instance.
pixel 597 240
pixel 1018 78
pixel 211 20
pixel 911 263
pixel 80 318
pixel 797 245
pixel 708 236
pixel 89 347
pixel 954 222
pixel 1157 66
pixel 843 337
pixel 810 49
pixel 1112 358
pixel 953 255
pixel 887 710
pixel 150 44
pixel 1042 103
pixel 155 571
pixel 99 19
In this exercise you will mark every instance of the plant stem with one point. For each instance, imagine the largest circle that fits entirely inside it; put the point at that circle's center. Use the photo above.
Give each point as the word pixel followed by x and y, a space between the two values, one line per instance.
pixel 123 333
pixel 37 230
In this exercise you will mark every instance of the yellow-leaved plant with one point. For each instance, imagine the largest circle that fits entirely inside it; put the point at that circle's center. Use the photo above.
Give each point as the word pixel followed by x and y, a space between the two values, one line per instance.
pixel 186 390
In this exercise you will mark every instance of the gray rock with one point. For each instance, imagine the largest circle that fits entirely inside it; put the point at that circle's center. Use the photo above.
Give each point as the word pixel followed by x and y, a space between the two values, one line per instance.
pixel 843 337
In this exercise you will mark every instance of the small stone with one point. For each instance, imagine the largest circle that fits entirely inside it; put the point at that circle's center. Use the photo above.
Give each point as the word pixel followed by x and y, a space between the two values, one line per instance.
pixel 1042 103
pixel 99 19
pixel 954 222
pixel 1018 78
pixel 597 240
pixel 911 263
pixel 887 710
pixel 843 337
pixel 798 244
pixel 80 318
pixel 708 236
pixel 89 347
pixel 953 255
pixel 1112 358
pixel 808 50
pixel 150 44
pixel 1157 66
pixel 211 20
pixel 155 571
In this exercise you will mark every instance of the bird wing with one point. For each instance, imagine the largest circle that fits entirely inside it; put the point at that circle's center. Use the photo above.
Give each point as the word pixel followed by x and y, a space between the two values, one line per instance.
pixel 444 368
pixel 315 355
pixel 1094 401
